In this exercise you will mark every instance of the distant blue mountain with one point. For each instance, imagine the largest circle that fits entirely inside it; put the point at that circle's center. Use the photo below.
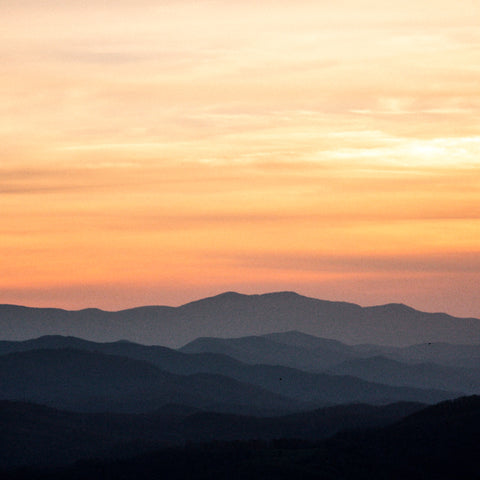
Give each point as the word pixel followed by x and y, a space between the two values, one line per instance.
pixel 421 375
pixel 87 381
pixel 165 376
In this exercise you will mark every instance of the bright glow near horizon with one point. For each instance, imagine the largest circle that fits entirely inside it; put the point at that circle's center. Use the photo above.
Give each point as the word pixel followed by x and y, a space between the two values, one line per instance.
pixel 157 152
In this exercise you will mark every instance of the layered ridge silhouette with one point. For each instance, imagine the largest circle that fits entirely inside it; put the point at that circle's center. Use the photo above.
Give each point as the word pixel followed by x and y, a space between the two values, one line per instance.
pixel 126 377
pixel 347 405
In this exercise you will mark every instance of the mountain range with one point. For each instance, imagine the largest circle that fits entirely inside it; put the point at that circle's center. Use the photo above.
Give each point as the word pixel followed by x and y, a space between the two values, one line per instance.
pixel 282 405
pixel 79 375
pixel 87 381
pixel 234 315
pixel 238 386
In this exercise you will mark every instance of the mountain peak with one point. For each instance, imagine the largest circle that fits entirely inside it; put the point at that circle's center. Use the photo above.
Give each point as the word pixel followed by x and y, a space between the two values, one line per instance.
pixel 393 307
pixel 230 294
pixel 286 294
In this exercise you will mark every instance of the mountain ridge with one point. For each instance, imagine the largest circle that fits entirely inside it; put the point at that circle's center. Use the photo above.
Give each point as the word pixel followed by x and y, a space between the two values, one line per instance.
pixel 89 381
pixel 233 314
pixel 236 295
pixel 300 388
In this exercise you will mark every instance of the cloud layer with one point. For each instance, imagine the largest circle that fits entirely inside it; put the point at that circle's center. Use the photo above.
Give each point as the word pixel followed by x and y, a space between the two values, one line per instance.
pixel 163 150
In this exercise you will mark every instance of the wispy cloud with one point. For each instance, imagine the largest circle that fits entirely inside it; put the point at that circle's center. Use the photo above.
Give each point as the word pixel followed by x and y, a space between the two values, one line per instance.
pixel 169 139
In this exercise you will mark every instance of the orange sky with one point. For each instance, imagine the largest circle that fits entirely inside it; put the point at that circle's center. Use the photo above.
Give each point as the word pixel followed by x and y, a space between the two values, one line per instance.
pixel 157 152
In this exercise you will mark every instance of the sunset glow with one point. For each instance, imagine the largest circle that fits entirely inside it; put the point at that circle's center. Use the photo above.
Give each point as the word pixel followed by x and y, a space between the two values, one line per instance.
pixel 157 152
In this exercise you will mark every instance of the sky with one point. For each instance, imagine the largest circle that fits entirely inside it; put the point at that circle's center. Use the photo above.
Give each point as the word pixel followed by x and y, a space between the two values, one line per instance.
pixel 156 152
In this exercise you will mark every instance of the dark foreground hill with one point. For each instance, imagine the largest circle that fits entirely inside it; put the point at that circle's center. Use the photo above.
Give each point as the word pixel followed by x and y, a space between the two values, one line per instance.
pixel 34 435
pixel 233 315
pixel 437 443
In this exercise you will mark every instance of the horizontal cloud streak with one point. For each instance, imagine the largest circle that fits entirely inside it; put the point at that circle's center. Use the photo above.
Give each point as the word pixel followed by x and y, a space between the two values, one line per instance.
pixel 444 263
